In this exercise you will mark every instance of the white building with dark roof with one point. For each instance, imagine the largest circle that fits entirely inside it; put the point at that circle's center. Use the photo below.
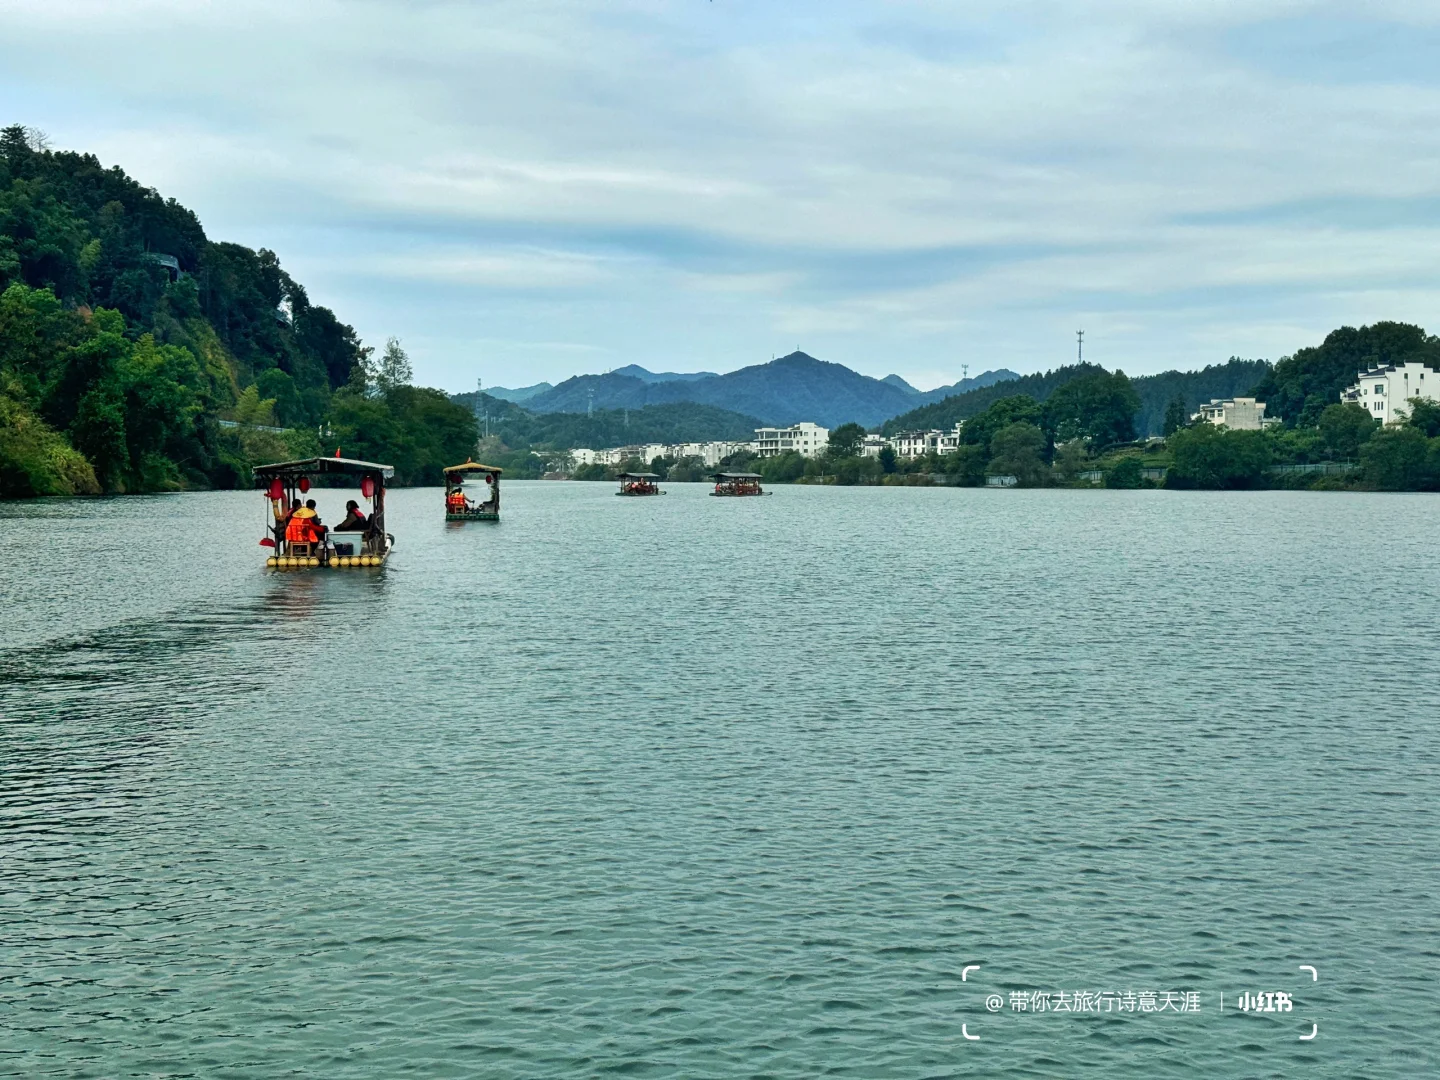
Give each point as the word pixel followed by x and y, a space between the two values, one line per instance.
pixel 1384 392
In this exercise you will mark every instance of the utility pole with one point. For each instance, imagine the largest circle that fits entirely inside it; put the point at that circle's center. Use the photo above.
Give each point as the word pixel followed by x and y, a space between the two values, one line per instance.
pixel 964 372
pixel 1079 346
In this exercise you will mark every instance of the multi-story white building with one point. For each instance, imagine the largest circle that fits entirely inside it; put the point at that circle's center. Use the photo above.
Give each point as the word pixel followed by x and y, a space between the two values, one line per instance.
pixel 1385 392
pixel 1237 414
pixel 909 444
pixel 872 445
pixel 912 444
pixel 809 439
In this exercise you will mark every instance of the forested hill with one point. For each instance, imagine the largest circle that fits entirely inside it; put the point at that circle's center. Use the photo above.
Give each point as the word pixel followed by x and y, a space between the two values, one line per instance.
pixel 682 421
pixel 1155 393
pixel 127 335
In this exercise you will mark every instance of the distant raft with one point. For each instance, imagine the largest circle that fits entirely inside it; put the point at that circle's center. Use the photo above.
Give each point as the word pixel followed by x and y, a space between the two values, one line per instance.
pixel 295 534
pixel 460 508
pixel 639 483
pixel 737 483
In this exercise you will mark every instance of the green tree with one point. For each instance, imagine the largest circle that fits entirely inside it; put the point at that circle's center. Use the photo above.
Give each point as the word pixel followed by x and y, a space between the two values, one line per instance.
pixel 1397 459
pixel 1211 457
pixel 855 470
pixel 1125 473
pixel 966 464
pixel 1071 459
pixel 1018 450
pixel 1175 416
pixel 783 468
pixel 1346 428
pixel 1018 409
pixel 1100 407
pixel 278 386
pixel 846 441
pixel 251 408
pixel 394 368
pixel 887 458
pixel 1424 417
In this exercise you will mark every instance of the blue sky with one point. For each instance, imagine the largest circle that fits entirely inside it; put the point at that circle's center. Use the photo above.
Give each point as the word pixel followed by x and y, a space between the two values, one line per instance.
pixel 531 189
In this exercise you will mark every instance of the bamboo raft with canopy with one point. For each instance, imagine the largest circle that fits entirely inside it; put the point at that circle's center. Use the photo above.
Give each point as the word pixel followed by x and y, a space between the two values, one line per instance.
pixel 296 535
pixel 737 484
pixel 639 483
pixel 458 507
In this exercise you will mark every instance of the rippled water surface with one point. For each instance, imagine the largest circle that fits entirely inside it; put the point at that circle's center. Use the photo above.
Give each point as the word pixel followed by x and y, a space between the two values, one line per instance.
pixel 702 787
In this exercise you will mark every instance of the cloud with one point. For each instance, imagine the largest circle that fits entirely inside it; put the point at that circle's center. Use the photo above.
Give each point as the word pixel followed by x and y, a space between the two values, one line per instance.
pixel 911 183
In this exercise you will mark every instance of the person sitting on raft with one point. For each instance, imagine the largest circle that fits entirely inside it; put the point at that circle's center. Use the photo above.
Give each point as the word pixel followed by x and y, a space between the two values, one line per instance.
pixel 456 502
pixel 320 530
pixel 354 520
pixel 300 527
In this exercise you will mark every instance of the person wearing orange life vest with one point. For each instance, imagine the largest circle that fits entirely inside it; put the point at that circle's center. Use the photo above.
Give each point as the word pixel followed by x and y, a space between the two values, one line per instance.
pixel 456 502
pixel 300 529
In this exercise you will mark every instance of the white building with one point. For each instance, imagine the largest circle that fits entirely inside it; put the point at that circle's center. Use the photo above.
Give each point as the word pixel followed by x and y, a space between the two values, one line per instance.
pixel 809 439
pixel 1237 414
pixel 1384 392
pixel 912 444
pixel 709 452
pixel 872 445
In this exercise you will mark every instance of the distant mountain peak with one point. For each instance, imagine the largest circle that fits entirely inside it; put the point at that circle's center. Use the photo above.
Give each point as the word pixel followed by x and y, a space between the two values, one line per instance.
pixel 897 381
pixel 635 371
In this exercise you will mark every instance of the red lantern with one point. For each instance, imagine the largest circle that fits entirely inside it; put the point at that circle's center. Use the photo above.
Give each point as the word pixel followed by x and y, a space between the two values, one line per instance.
pixel 490 478
pixel 367 487
pixel 304 484
pixel 277 489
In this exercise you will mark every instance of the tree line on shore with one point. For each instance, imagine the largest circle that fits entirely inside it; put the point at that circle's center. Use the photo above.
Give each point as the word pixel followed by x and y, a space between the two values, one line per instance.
pixel 1084 431
pixel 138 355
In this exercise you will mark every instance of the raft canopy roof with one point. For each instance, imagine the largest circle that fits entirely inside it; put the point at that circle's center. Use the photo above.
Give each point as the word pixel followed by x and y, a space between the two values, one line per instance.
pixel 322 466
pixel 638 476
pixel 473 466
pixel 737 476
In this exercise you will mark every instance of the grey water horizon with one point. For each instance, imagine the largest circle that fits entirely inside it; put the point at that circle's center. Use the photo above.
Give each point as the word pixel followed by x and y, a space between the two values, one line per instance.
pixel 699 787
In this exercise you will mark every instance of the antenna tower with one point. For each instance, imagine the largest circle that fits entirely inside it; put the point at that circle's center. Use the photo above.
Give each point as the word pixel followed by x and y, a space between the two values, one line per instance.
pixel 590 403
pixel 1079 346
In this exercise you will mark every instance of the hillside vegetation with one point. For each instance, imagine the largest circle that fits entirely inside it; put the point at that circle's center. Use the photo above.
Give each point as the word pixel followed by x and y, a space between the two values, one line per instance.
pixel 1155 393
pixel 126 336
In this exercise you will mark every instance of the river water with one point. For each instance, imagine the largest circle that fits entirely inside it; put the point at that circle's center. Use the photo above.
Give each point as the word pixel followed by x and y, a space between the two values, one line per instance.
pixel 693 787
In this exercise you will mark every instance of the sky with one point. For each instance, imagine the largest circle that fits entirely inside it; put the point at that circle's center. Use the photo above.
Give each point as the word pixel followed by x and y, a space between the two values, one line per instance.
pixel 525 190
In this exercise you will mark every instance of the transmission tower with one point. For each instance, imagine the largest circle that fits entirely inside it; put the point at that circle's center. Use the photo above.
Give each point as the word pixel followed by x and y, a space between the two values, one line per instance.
pixel 1079 346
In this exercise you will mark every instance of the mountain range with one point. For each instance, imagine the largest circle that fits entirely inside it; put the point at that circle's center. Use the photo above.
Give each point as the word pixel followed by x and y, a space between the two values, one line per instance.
pixel 784 391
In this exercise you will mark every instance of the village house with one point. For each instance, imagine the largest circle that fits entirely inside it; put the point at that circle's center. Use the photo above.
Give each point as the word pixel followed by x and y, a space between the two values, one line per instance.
pixel 1385 392
pixel 1237 414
